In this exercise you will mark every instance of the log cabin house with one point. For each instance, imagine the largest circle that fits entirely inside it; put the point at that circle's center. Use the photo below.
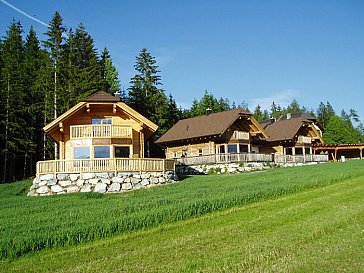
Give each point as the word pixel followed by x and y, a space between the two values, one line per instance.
pixel 292 135
pixel 101 133
pixel 217 135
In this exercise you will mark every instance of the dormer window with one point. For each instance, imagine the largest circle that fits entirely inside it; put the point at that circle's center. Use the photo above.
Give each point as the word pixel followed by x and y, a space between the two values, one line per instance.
pixel 101 121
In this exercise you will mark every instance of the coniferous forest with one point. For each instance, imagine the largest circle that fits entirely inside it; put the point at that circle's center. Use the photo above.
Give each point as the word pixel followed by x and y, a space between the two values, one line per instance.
pixel 40 80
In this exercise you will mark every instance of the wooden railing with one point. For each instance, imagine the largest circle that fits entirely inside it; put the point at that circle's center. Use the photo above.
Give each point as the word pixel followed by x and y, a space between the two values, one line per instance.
pixel 304 139
pixel 300 158
pixel 100 131
pixel 106 165
pixel 224 158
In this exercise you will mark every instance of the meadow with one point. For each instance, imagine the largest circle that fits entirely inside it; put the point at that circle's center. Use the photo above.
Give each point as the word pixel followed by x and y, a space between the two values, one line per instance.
pixel 31 224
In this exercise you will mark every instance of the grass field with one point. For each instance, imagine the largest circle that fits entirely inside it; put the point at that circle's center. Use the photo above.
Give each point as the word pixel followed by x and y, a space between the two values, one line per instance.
pixel 318 228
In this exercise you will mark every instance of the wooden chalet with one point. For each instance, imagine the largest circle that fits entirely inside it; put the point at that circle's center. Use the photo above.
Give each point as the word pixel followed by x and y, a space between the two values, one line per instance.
pixel 229 132
pixel 101 133
pixel 292 135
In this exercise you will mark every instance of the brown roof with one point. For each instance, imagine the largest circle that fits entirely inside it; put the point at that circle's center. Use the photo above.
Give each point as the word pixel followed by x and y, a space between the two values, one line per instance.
pixel 201 126
pixel 284 129
pixel 101 96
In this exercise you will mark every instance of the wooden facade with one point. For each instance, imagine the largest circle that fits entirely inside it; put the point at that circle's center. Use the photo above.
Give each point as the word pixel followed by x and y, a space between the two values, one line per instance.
pixel 97 129
pixel 293 135
pixel 234 131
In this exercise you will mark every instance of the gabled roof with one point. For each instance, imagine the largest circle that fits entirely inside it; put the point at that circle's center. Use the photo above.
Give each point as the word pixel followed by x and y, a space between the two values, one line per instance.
pixel 102 97
pixel 207 125
pixel 286 129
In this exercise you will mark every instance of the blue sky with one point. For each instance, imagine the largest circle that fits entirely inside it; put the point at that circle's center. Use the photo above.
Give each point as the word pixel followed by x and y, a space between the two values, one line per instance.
pixel 252 51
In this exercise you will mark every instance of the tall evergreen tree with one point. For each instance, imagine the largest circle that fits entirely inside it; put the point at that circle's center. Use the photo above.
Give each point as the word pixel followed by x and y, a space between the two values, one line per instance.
pixel 258 114
pixel 12 96
pixel 109 73
pixel 54 45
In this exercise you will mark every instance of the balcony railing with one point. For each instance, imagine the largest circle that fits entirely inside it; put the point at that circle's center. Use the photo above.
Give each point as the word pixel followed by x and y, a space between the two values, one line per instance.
pixel 300 158
pixel 100 131
pixel 304 139
pixel 224 158
pixel 105 165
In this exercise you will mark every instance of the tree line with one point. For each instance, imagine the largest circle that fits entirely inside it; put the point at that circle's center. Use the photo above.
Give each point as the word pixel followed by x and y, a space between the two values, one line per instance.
pixel 39 80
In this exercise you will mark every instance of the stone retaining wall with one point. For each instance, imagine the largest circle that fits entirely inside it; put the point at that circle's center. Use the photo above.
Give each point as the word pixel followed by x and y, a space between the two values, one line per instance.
pixel 50 184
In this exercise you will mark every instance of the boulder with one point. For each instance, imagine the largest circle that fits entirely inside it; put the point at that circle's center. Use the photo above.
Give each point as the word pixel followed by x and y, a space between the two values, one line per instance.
pixel 80 182
pixel 117 179
pixel 74 176
pixel 106 181
pixel 63 176
pixel 103 175
pixel 114 187
pixel 135 180
pixel 65 183
pixel 88 175
pixel 100 187
pixel 42 183
pixel 94 181
pixel 52 182
pixel 43 189
pixel 73 189
pixel 46 176
pixel 145 182
pixel 86 188
pixel 127 186
pixel 56 188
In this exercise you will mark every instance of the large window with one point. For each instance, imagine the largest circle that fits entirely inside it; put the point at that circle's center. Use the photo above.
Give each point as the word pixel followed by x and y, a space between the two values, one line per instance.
pixel 101 121
pixel 243 148
pixel 81 152
pixel 122 151
pixel 222 149
pixel 232 148
pixel 102 152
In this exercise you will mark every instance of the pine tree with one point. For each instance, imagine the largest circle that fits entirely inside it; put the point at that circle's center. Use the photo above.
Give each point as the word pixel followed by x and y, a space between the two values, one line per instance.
pixel 12 96
pixel 258 114
pixel 109 73
pixel 54 45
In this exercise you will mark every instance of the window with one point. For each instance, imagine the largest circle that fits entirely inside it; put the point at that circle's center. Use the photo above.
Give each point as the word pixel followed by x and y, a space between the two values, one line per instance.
pixel 200 152
pixel 222 149
pixel 81 152
pixel 101 121
pixel 122 151
pixel 232 148
pixel 299 151
pixel 243 148
pixel 101 151
pixel 288 151
pixel 307 151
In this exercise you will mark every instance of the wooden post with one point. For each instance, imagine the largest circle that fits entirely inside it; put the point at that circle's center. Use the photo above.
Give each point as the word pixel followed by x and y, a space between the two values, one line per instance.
pixel 361 153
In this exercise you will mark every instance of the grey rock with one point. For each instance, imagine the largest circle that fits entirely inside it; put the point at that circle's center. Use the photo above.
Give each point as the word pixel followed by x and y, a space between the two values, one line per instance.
pixel 86 188
pixel 36 180
pixel 114 187
pixel 135 180
pixel 106 181
pixel 144 175
pixel 127 180
pixel 65 183
pixel 63 176
pixel 46 176
pixel 154 180
pixel 117 179
pixel 127 186
pixel 43 189
pixel 42 183
pixel 94 181
pixel 162 180
pixel 80 182
pixel 100 187
pixel 103 175
pixel 56 188
pixel 52 182
pixel 74 176
pixel 145 182
pixel 88 175
pixel 73 189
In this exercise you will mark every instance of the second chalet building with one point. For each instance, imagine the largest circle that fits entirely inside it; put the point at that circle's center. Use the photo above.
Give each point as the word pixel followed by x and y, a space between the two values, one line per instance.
pixel 235 135
pixel 228 132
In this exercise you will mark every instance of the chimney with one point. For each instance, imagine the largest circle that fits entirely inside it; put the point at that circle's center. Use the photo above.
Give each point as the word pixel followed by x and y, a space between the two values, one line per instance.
pixel 208 111
pixel 117 95
pixel 289 115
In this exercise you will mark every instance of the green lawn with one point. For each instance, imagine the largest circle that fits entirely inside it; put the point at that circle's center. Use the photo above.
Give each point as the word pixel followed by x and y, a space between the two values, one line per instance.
pixel 260 224
pixel 315 230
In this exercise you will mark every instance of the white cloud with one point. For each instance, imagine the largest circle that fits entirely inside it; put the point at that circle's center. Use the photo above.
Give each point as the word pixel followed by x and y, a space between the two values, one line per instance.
pixel 282 98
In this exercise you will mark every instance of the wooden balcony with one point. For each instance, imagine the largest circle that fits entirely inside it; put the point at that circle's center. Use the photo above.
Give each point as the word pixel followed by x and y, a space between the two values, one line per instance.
pixel 100 131
pixel 105 165
pixel 304 139
pixel 300 158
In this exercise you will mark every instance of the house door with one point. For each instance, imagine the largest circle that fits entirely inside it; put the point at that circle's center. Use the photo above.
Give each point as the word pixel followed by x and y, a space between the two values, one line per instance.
pixel 122 151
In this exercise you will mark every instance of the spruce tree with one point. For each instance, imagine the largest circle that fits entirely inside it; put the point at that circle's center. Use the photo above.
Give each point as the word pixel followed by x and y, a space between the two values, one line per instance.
pixel 12 96
pixel 109 73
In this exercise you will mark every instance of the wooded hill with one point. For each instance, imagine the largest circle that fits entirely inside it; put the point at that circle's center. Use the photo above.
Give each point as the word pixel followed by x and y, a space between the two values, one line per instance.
pixel 39 80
